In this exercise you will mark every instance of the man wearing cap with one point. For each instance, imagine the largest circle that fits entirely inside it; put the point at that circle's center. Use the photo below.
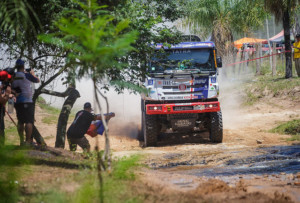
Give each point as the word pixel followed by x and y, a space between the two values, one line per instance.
pixel 296 57
pixel 24 104
pixel 80 126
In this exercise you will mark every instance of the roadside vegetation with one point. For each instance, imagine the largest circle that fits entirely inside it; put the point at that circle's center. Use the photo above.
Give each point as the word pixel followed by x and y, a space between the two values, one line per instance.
pixel 65 38
pixel 63 179
pixel 53 112
pixel 41 102
pixel 291 128
pixel 266 85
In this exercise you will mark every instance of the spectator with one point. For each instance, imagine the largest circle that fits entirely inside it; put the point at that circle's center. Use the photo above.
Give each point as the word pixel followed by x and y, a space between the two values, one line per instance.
pixel 297 54
pixel 5 94
pixel 80 126
pixel 24 104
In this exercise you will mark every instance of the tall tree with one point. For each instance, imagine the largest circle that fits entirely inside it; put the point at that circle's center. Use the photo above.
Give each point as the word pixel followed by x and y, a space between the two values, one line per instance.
pixel 282 12
pixel 223 18
pixel 22 21
pixel 148 19
pixel 94 45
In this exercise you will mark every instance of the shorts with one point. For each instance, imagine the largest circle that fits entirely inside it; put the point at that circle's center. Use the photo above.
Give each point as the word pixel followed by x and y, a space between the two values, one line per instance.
pixel 82 142
pixel 25 112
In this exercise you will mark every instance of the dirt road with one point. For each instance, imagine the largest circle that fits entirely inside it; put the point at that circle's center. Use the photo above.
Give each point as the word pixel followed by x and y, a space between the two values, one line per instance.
pixel 250 165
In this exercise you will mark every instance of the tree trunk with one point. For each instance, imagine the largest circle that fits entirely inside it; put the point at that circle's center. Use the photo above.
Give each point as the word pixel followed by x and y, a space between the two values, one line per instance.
pixel 235 54
pixel 257 49
pixel 37 136
pixel 64 116
pixel 241 64
pixel 297 25
pixel 287 42
pixel 269 44
pixel 274 60
pixel 274 26
pixel 35 133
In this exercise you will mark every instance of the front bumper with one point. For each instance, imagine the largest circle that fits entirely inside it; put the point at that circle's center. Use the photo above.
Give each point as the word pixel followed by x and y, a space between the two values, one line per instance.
pixel 177 108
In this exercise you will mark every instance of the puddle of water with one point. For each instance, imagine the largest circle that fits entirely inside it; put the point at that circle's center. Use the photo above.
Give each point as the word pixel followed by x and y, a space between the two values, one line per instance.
pixel 182 181
pixel 274 160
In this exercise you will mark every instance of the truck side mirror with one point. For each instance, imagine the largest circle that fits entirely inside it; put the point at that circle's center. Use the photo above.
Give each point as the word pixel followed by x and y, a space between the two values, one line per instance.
pixel 219 62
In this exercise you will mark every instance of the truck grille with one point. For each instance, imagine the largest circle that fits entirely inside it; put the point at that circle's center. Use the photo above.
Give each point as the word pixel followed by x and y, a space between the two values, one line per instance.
pixel 176 93
pixel 175 87
pixel 183 116
pixel 183 108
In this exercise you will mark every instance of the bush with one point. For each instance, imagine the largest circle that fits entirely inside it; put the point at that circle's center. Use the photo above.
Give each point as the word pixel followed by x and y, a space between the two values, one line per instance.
pixel 290 128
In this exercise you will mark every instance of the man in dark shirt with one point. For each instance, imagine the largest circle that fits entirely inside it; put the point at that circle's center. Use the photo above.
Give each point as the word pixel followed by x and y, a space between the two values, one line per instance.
pixel 79 127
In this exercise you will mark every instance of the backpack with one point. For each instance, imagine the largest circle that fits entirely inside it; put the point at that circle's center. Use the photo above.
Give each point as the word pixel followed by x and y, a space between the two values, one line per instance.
pixel 96 128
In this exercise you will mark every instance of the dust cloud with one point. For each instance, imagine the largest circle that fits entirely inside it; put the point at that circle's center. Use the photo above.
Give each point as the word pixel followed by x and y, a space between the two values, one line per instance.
pixel 128 110
pixel 126 106
pixel 231 97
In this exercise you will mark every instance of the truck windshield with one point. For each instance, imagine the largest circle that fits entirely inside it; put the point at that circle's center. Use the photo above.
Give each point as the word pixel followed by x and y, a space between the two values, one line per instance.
pixel 183 59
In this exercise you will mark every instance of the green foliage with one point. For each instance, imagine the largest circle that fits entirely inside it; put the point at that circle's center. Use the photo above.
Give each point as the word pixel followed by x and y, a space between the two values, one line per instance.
pixel 145 17
pixel 16 16
pixel 10 174
pixel 116 185
pixel 93 42
pixel 279 6
pixel 290 128
pixel 221 19
pixel 53 195
pixel 122 168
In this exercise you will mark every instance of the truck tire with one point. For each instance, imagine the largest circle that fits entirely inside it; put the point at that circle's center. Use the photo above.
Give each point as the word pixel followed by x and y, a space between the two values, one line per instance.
pixel 150 129
pixel 216 127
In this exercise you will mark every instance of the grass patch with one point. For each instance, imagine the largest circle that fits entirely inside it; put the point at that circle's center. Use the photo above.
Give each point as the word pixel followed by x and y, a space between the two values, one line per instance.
pixel 52 119
pixel 290 128
pixel 11 135
pixel 116 186
pixel 49 109
pixel 270 86
pixel 10 164
pixel 53 111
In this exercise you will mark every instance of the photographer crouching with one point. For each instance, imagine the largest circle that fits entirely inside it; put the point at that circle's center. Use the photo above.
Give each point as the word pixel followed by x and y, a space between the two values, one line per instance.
pixel 24 104
pixel 6 77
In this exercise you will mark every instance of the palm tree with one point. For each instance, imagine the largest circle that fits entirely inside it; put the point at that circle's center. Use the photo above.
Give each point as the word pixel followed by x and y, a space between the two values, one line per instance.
pixel 15 17
pixel 282 11
pixel 222 18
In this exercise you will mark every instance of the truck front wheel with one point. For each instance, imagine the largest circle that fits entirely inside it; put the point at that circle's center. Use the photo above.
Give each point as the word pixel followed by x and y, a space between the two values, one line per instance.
pixel 150 127
pixel 216 127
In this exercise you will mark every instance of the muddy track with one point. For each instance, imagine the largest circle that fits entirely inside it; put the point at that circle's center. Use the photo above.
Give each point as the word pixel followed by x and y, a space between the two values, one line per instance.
pixel 251 164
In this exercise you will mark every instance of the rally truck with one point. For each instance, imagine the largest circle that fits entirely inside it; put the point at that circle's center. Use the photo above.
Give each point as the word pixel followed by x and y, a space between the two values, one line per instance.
pixel 183 91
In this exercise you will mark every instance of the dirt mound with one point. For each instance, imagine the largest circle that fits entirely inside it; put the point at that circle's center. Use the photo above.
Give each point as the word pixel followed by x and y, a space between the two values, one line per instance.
pixel 50 152
pixel 258 197
pixel 212 186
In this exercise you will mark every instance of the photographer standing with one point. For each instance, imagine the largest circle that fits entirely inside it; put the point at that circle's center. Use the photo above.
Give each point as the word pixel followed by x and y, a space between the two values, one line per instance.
pixel 24 104
pixel 5 94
